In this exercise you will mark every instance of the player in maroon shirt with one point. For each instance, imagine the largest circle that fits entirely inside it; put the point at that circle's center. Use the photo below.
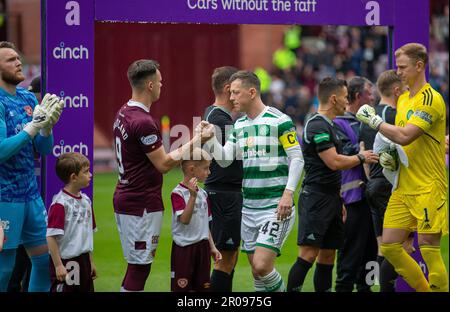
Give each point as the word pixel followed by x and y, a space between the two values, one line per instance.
pixel 142 160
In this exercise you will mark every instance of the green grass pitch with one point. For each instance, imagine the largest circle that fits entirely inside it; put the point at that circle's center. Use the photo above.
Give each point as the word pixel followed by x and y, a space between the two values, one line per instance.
pixel 111 265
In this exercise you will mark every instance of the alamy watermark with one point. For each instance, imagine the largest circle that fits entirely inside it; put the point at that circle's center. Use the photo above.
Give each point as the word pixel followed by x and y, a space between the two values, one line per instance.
pixel 251 142
pixel 373 272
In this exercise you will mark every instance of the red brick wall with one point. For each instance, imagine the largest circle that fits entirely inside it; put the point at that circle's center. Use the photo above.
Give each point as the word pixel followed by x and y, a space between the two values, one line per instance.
pixel 24 20
pixel 187 53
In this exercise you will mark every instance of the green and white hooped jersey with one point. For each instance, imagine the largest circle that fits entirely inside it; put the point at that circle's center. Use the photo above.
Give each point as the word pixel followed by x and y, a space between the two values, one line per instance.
pixel 261 144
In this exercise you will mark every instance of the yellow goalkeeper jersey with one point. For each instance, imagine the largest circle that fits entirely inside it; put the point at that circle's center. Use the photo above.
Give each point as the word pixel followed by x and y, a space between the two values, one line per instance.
pixel 426 155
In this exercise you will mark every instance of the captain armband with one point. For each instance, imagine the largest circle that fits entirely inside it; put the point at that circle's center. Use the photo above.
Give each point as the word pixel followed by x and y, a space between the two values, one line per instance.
pixel 289 139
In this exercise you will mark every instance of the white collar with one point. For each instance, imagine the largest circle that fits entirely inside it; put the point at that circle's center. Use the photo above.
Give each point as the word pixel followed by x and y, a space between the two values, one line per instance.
pixel 138 104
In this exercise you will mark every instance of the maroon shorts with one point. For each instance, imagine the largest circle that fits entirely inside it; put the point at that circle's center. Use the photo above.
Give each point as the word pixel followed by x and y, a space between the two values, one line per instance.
pixel 77 282
pixel 191 266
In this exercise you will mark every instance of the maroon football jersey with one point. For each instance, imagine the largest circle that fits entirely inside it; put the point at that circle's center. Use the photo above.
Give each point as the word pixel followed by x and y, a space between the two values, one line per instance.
pixel 139 187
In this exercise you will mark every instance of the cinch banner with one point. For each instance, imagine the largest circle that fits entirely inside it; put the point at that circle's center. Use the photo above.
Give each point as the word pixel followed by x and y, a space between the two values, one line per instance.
pixel 70 74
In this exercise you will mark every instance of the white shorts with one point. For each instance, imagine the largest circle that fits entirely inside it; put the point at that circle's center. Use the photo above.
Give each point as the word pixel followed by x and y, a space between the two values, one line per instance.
pixel 261 228
pixel 139 236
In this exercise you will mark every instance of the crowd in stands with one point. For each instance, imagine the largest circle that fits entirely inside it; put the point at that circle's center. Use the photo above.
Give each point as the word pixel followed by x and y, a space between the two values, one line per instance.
pixel 311 53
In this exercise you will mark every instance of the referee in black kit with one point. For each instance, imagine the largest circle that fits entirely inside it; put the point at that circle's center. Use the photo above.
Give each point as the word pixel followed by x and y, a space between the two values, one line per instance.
pixel 320 226
pixel 224 186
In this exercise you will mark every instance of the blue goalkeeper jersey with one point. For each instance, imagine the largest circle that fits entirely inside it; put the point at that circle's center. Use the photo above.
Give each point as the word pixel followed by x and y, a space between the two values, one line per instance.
pixel 17 178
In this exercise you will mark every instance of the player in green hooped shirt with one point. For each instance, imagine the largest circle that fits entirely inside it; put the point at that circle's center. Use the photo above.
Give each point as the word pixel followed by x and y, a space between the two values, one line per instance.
pixel 265 139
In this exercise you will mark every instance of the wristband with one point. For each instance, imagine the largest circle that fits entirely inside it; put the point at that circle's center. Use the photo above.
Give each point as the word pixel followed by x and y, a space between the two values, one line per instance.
pixel 361 158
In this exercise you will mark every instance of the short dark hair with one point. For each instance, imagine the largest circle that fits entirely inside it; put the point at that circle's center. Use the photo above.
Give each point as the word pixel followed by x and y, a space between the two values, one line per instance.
pixel 329 86
pixel 221 77
pixel 69 163
pixel 386 80
pixel 249 79
pixel 35 85
pixel 356 85
pixel 8 45
pixel 140 70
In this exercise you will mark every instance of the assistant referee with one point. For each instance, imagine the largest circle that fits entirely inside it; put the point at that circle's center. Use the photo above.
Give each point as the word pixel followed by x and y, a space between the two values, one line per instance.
pixel 320 226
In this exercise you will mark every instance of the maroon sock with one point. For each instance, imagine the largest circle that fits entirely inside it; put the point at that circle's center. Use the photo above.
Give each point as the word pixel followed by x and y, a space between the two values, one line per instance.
pixel 136 276
pixel 125 277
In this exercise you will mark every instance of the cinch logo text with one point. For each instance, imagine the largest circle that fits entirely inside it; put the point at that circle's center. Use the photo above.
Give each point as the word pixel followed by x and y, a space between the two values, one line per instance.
pixel 77 101
pixel 77 53
pixel 62 148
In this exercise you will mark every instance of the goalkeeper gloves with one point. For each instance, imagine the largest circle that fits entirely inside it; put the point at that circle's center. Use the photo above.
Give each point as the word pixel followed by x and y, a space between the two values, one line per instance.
pixel 54 113
pixel 45 115
pixel 367 115
pixel 39 121
pixel 389 160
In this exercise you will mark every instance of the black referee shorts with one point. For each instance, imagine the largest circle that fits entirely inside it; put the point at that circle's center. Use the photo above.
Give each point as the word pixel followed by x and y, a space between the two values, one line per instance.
pixel 226 209
pixel 378 192
pixel 320 218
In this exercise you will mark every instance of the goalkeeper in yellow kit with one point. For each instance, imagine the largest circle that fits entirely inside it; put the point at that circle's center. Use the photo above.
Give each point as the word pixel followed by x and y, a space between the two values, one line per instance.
pixel 419 202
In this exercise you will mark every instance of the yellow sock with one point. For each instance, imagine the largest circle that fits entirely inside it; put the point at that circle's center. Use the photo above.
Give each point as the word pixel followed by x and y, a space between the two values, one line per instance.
pixel 405 266
pixel 437 273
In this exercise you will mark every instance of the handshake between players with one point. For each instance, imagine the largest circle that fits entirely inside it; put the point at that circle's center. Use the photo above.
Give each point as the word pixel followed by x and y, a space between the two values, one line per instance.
pixel 205 130
pixel 388 158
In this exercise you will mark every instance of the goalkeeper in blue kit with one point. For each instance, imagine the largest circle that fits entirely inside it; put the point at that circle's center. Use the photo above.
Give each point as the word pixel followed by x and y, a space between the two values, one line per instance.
pixel 25 128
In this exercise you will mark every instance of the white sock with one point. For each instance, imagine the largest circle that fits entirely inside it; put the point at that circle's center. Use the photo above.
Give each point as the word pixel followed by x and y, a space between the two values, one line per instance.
pixel 273 282
pixel 259 285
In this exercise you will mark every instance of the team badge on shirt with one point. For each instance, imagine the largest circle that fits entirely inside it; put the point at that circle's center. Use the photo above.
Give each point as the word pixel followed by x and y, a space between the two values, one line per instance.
pixel 28 110
pixel 264 130
pixel 149 139
pixel 4 224
pixel 409 114
pixel 250 141
pixel 182 282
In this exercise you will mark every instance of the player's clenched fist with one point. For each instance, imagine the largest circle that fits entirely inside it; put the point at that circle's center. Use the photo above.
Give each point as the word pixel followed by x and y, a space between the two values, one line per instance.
pixel 205 130
pixel 208 132
pixel 200 126
pixel 367 115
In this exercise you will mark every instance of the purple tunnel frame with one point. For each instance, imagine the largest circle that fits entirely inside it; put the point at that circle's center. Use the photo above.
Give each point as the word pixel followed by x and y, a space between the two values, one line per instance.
pixel 68 48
